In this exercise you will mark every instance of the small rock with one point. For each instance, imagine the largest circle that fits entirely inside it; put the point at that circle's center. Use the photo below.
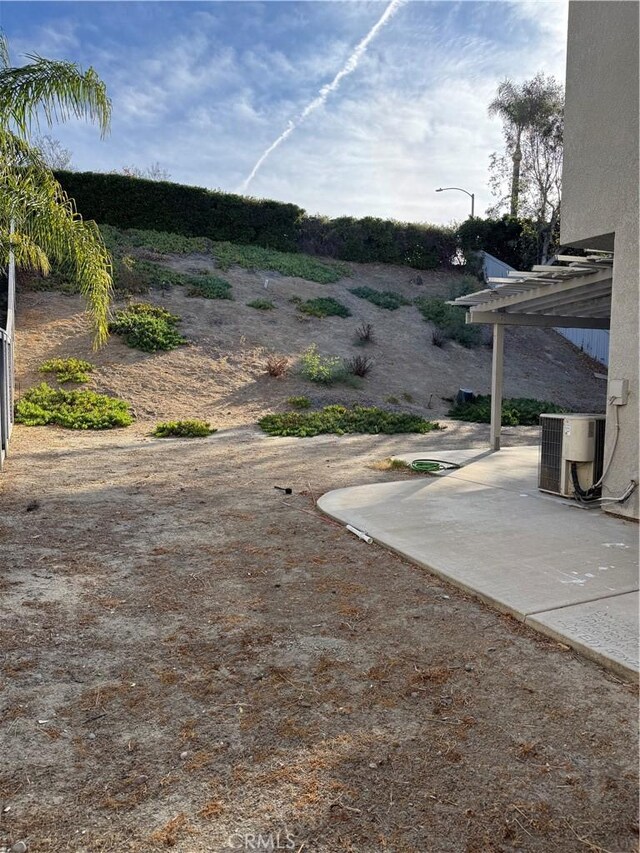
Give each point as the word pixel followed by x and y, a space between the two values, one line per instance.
pixel 446 596
pixel 372 765
pixel 19 847
pixel 468 667
pixel 184 754
pixel 91 736
pixel 414 694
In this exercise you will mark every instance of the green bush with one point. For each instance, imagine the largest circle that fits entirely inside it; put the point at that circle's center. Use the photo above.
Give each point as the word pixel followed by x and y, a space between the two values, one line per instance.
pixel 208 287
pixel 71 409
pixel 340 420
pixel 286 263
pixel 324 306
pixel 449 320
pixel 68 369
pixel 382 298
pixel 261 304
pixel 325 370
pixel 299 402
pixel 516 411
pixel 183 429
pixel 147 327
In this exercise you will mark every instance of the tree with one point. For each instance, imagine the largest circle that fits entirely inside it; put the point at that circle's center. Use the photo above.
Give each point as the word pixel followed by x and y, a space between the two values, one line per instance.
pixel 37 219
pixel 53 153
pixel 526 108
pixel 154 172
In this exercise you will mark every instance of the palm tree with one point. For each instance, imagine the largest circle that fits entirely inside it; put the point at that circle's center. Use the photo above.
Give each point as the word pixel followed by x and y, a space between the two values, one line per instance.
pixel 38 222
pixel 528 105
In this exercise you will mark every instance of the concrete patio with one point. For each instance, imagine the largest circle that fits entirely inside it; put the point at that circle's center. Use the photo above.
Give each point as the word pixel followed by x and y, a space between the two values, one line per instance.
pixel 569 572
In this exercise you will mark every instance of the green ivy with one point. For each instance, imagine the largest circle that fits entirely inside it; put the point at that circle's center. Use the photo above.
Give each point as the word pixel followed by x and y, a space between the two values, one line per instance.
pixel 183 429
pixel 147 327
pixel 388 299
pixel 68 369
pixel 324 306
pixel 71 409
pixel 340 420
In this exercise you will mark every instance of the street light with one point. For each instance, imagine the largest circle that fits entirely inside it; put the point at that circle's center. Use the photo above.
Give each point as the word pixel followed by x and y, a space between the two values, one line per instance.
pixel 471 195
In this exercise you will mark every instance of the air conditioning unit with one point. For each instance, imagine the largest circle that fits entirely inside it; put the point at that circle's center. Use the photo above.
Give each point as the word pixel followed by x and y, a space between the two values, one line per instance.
pixel 570 442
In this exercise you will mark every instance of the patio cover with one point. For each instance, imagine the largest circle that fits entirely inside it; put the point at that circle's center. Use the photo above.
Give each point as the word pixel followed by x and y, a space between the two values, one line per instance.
pixel 570 292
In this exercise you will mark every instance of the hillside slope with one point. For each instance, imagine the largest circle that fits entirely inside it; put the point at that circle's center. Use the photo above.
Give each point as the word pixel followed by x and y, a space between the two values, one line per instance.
pixel 220 375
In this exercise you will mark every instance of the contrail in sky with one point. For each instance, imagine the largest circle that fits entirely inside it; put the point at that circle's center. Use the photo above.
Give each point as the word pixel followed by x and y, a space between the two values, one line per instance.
pixel 350 66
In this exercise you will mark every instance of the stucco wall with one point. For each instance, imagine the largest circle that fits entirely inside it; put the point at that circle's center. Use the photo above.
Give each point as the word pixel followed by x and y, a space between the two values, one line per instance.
pixel 600 193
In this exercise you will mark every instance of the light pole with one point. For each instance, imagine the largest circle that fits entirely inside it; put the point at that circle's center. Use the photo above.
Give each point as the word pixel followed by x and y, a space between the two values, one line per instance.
pixel 471 195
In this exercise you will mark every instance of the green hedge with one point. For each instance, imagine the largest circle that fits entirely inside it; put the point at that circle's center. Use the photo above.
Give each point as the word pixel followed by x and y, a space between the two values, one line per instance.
pixel 127 202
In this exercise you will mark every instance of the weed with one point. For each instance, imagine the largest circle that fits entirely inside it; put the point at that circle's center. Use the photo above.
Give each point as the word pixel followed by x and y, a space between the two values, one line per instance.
pixel 147 327
pixel 364 334
pixel 516 411
pixel 262 304
pixel 339 420
pixel 295 300
pixel 407 397
pixel 324 306
pixel 277 365
pixel 390 464
pixel 388 299
pixel 359 365
pixel 183 429
pixel 68 369
pixel 286 263
pixel 208 287
pixel 299 402
pixel 393 401
pixel 81 409
pixel 438 337
pixel 450 320
pixel 324 370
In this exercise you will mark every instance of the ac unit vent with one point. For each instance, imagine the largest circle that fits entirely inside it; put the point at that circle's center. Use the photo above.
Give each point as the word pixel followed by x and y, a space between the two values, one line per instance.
pixel 550 454
pixel 568 443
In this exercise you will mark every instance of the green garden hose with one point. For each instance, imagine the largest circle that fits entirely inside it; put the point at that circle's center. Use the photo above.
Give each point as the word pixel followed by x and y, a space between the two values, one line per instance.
pixel 432 466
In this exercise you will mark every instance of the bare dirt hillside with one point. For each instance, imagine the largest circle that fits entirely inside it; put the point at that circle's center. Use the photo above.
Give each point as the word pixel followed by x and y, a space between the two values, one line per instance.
pixel 220 375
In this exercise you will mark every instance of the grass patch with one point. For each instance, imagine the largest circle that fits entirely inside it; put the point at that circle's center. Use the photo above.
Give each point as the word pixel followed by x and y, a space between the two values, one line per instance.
pixel 390 464
pixel 71 409
pixel 164 243
pixel 183 429
pixel 68 369
pixel 286 263
pixel 340 420
pixel 382 298
pixel 147 327
pixel 324 306
pixel 261 304
pixel 516 411
pixel 449 320
pixel 299 402
pixel 324 370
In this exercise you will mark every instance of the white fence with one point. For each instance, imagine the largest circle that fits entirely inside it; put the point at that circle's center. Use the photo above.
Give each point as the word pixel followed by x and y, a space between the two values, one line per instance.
pixel 6 364
pixel 595 342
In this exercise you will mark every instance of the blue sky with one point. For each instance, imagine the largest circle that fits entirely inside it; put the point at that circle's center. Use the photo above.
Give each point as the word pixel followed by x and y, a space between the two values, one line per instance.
pixel 204 88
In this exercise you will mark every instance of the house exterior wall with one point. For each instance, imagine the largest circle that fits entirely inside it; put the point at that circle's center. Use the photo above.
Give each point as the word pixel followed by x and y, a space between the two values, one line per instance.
pixel 600 195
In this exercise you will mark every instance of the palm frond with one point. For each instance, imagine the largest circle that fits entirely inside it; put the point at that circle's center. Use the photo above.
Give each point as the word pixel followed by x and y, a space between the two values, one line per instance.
pixel 5 60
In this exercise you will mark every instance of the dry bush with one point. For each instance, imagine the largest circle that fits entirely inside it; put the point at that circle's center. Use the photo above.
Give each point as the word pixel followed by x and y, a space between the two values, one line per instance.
pixel 359 365
pixel 277 365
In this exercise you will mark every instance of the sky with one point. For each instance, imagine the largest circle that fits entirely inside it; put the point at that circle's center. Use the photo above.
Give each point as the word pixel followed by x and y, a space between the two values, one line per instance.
pixel 374 104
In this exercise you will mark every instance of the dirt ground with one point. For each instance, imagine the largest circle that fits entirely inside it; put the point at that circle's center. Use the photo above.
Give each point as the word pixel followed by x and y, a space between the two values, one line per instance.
pixel 191 659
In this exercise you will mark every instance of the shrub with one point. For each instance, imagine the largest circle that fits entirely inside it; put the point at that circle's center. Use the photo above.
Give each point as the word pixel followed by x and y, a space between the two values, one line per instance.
pixel 262 304
pixel 382 298
pixel 392 400
pixel 438 337
pixel 516 411
pixel 277 365
pixel 295 300
pixel 81 409
pixel 286 263
pixel 324 306
pixel 325 370
pixel 449 320
pixel 68 369
pixel 340 420
pixel 208 287
pixel 299 402
pixel 364 334
pixel 359 365
pixel 183 429
pixel 147 327
pixel 407 397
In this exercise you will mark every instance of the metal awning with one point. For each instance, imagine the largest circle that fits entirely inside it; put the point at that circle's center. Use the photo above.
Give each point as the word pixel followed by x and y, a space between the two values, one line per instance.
pixel 571 293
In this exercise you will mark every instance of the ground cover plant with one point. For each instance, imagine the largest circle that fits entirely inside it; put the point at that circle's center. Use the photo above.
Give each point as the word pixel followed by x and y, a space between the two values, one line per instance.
pixel 82 409
pixel 324 370
pixel 261 304
pixel 340 420
pixel 299 402
pixel 208 287
pixel 516 411
pixel 68 369
pixel 324 306
pixel 449 320
pixel 147 327
pixel 183 429
pixel 388 299
pixel 286 263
